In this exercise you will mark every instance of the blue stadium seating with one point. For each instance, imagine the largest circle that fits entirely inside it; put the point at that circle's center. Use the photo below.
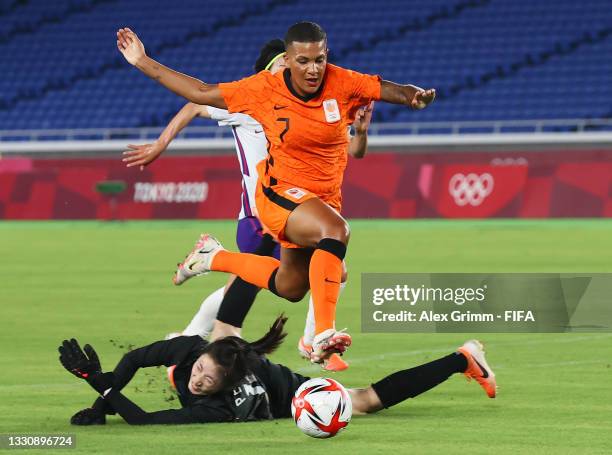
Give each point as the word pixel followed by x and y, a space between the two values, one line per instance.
pixel 489 59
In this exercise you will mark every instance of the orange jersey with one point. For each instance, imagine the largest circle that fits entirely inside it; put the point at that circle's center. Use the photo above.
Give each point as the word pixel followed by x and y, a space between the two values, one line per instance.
pixel 307 135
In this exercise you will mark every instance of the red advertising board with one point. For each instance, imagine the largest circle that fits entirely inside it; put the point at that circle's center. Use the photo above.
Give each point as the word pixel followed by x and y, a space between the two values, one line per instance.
pixel 184 187
pixel 471 191
pixel 382 185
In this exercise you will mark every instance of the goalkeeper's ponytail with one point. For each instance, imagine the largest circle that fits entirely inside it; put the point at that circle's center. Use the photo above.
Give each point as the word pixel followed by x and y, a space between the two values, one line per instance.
pixel 237 357
pixel 271 340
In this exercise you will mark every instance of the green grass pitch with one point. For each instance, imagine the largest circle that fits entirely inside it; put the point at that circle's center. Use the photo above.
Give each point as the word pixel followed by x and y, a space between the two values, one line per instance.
pixel 111 281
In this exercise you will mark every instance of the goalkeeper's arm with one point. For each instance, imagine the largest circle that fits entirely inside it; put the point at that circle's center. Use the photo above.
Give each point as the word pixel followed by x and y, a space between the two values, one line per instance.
pixel 135 415
pixel 166 352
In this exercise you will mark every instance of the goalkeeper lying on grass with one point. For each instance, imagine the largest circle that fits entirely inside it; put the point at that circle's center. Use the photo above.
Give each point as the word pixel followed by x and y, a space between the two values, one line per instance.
pixel 230 379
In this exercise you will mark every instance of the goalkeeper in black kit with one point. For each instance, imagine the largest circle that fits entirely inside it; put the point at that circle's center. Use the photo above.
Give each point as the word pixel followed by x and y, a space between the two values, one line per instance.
pixel 231 380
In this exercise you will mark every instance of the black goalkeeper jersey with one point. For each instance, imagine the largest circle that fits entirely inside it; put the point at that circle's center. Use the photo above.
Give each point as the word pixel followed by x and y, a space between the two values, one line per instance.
pixel 265 393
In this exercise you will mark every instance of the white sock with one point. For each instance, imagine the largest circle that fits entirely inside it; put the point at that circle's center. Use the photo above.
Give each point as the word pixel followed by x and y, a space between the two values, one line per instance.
pixel 203 321
pixel 309 327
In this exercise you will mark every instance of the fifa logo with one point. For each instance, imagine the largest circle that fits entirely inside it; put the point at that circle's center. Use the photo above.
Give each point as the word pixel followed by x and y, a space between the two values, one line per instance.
pixel 470 189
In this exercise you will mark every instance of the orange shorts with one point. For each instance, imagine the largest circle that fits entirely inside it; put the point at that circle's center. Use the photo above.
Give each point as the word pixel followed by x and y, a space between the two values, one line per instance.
pixel 276 202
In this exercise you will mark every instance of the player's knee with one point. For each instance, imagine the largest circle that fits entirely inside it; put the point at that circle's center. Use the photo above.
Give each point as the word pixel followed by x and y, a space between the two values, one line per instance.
pixel 295 298
pixel 335 241
pixel 293 289
pixel 339 231
pixel 295 295
pixel 344 276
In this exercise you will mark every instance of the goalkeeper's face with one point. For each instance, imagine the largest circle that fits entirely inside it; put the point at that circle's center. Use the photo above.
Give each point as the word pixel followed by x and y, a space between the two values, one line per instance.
pixel 206 376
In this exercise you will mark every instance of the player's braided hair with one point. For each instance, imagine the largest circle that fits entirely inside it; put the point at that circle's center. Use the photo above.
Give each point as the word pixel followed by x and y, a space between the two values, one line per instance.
pixel 269 50
pixel 236 357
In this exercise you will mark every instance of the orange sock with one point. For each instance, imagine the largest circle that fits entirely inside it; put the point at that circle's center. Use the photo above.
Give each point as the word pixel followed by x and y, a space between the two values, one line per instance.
pixel 250 267
pixel 325 275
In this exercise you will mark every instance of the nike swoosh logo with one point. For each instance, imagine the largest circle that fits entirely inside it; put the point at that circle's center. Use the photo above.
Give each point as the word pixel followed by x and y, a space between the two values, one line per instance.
pixel 277 107
pixel 258 131
pixel 330 281
pixel 485 373
pixel 202 251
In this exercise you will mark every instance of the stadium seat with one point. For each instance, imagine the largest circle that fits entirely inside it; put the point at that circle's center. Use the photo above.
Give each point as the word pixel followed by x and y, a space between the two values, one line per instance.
pixel 489 60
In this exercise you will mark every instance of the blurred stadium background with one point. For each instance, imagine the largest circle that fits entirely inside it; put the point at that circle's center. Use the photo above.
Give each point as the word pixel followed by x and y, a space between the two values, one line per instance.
pixel 521 126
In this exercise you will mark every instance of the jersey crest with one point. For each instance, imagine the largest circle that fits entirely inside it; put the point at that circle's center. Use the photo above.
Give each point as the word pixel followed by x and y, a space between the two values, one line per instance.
pixel 332 112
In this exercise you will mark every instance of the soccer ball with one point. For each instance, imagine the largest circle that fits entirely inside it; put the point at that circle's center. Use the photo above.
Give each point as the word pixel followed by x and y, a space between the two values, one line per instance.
pixel 321 407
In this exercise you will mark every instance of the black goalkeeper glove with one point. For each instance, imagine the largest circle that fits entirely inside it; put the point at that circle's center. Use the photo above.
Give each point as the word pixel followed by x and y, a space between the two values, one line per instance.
pixel 89 416
pixel 81 364
pixel 85 364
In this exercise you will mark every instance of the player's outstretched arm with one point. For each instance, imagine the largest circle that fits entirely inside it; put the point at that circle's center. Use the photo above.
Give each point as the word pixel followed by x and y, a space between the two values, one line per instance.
pixel 408 95
pixel 85 364
pixel 144 154
pixel 188 87
pixel 359 142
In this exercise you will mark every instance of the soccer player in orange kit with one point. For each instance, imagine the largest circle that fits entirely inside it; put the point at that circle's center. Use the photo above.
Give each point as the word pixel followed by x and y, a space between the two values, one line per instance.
pixel 305 112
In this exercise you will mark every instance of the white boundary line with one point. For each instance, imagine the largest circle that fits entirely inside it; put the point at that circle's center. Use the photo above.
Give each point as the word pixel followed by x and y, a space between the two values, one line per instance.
pixel 396 354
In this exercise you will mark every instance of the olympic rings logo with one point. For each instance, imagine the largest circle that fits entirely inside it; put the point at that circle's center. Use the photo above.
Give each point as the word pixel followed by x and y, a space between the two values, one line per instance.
pixel 470 189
